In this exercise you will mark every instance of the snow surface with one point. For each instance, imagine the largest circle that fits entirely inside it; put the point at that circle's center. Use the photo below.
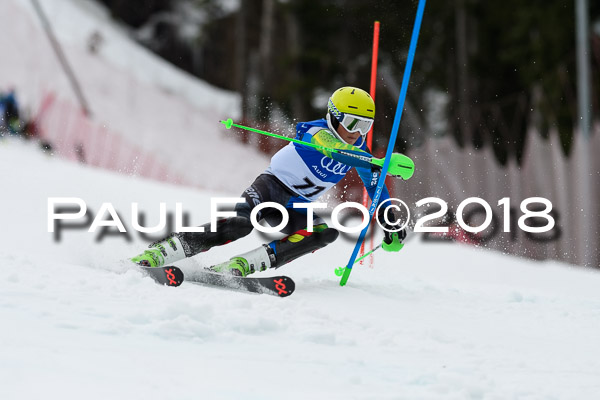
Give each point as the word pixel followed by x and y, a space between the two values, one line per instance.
pixel 434 321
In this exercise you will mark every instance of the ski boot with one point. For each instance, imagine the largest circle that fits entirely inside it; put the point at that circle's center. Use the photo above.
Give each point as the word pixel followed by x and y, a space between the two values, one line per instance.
pixel 161 253
pixel 245 264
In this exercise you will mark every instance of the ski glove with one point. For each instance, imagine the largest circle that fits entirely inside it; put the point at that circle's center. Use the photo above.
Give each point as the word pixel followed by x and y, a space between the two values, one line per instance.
pixel 392 241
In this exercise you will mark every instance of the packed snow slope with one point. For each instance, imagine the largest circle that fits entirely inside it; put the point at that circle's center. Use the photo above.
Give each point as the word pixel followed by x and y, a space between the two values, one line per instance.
pixel 433 321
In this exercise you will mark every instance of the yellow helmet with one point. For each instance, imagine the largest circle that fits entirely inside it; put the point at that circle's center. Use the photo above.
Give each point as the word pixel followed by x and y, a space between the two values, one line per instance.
pixel 353 108
pixel 351 100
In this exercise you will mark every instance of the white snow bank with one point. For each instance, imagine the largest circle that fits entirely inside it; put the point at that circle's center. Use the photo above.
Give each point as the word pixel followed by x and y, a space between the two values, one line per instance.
pixel 166 114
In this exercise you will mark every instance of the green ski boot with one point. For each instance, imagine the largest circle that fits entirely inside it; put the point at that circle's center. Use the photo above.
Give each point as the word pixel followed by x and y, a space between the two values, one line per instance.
pixel 161 253
pixel 259 259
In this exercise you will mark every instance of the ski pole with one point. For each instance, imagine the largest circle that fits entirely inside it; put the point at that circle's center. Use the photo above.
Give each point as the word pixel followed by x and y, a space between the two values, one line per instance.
pixel 399 164
pixel 340 270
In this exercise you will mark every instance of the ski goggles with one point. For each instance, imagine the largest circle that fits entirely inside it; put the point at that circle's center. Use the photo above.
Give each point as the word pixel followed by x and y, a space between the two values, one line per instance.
pixel 354 123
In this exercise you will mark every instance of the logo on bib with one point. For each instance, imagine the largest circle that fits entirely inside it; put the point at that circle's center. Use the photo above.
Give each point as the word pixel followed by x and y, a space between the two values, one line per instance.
pixel 335 167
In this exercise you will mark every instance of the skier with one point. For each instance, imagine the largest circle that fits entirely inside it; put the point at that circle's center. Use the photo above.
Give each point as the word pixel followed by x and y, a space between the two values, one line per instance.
pixel 297 174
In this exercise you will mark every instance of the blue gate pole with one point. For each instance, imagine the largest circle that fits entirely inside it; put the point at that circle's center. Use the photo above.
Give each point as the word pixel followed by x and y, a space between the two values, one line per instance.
pixel 390 149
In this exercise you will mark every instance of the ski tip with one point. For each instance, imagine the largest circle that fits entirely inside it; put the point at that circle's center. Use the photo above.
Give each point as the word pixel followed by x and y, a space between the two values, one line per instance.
pixel 228 123
pixel 168 275
pixel 173 275
pixel 284 285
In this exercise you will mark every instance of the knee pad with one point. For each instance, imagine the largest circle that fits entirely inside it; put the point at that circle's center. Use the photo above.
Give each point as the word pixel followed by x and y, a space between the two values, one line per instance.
pixel 328 235
pixel 300 243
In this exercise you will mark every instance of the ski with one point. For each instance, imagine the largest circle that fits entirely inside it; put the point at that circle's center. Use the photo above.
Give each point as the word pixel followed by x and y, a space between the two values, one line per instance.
pixel 169 276
pixel 280 286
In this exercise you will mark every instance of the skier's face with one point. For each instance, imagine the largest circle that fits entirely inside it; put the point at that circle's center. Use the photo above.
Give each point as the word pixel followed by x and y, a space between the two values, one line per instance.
pixel 348 137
